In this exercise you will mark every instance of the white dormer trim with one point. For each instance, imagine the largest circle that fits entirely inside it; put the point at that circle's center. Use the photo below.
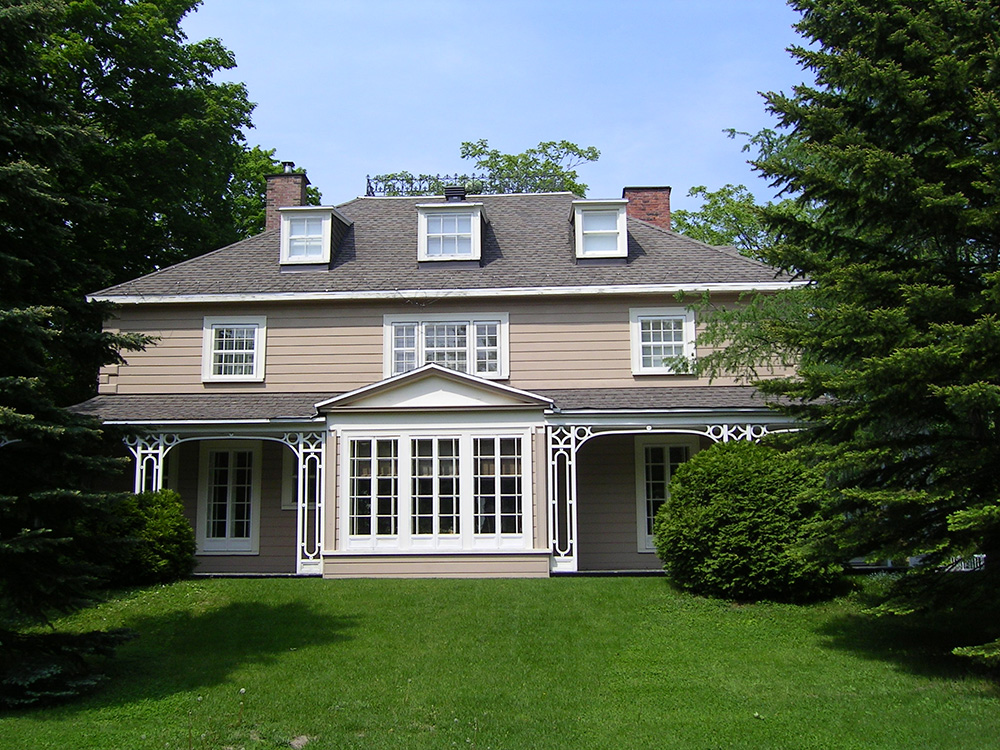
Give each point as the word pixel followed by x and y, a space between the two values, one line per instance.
pixel 301 244
pixel 601 229
pixel 477 217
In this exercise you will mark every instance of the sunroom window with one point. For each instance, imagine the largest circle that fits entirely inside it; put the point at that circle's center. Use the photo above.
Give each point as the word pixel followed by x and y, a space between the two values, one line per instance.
pixel 459 491
pixel 477 346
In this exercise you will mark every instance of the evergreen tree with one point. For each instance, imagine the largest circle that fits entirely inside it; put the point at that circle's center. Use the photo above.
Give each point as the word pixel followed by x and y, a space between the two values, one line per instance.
pixel 897 338
pixel 49 518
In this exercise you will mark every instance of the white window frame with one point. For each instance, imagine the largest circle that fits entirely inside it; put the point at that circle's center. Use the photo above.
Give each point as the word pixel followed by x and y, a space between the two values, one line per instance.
pixel 639 314
pixel 228 545
pixel 581 208
pixel 467 539
pixel 644 540
pixel 288 215
pixel 389 323
pixel 475 210
pixel 211 324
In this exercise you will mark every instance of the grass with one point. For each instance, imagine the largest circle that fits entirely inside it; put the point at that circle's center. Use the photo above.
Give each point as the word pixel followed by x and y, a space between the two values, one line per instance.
pixel 561 663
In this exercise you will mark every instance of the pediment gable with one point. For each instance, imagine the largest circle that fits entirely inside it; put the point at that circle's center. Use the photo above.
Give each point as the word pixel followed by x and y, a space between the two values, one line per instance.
pixel 433 387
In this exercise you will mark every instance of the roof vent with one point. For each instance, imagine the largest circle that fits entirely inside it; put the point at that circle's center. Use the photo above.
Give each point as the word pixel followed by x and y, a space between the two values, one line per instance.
pixel 454 193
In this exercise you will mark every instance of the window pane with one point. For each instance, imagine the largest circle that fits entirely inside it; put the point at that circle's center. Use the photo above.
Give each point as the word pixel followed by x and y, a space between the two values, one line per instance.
pixel 660 339
pixel 230 494
pixel 449 235
pixel 600 221
pixel 661 462
pixel 600 243
pixel 373 503
pixel 498 485
pixel 233 350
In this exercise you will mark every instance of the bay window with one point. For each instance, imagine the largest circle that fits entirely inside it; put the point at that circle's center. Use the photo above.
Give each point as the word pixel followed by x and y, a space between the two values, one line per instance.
pixel 457 492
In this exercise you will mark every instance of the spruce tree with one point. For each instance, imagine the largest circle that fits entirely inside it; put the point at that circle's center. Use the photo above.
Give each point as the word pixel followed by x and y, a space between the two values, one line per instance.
pixel 896 170
pixel 53 526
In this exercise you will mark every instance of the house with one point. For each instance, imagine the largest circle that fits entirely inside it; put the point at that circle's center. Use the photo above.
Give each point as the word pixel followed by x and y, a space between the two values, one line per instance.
pixel 460 385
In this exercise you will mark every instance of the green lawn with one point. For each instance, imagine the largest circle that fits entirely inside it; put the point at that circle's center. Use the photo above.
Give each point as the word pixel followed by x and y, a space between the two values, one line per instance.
pixel 561 663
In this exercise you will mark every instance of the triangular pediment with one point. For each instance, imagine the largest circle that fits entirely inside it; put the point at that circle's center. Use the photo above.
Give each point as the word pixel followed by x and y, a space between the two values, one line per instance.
pixel 433 387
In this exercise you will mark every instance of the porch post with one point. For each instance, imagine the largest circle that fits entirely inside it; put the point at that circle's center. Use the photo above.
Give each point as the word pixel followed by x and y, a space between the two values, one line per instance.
pixel 310 450
pixel 149 452
pixel 563 444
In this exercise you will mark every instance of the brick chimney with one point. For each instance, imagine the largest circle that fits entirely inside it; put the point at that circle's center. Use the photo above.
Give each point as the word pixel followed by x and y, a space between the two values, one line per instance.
pixel 285 189
pixel 650 204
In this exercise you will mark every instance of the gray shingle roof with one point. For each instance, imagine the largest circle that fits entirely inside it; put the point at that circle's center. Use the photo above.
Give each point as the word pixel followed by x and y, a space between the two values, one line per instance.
pixel 198 407
pixel 244 406
pixel 681 398
pixel 528 243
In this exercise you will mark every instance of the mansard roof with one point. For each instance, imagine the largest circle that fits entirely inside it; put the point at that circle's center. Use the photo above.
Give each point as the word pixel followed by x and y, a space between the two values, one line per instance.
pixel 527 244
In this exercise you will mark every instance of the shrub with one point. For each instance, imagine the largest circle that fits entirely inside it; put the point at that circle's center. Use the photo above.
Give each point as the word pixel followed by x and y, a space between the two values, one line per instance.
pixel 734 528
pixel 160 547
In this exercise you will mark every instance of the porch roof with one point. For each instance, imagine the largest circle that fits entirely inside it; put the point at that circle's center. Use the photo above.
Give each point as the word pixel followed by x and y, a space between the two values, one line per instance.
pixel 234 407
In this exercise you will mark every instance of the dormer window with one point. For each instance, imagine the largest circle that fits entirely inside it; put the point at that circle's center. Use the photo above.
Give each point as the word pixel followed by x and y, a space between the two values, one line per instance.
pixel 305 235
pixel 450 231
pixel 600 229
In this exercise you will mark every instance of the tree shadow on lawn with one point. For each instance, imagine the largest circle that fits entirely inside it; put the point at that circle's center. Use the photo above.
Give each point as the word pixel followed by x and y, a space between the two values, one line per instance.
pixel 917 643
pixel 187 651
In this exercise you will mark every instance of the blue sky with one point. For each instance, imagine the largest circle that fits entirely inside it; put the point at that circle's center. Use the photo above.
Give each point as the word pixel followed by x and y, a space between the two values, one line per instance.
pixel 348 88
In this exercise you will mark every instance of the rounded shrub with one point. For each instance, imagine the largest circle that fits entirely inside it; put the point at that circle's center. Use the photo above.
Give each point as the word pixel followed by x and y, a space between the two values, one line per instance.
pixel 160 542
pixel 734 528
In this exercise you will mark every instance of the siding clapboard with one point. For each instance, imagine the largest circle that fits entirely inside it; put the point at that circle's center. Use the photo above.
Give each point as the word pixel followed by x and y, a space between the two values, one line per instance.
pixel 337 347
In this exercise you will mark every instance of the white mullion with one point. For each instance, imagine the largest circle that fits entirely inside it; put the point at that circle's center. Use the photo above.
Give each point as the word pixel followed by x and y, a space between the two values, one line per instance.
pixel 404 491
pixel 466 490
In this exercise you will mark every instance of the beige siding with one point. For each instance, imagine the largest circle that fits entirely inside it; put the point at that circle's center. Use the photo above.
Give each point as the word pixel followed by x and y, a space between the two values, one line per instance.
pixel 338 346
pixel 607 510
pixel 606 507
pixel 277 527
pixel 472 565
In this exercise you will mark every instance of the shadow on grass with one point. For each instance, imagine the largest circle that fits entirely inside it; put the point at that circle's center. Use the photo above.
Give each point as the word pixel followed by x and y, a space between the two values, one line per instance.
pixel 918 643
pixel 185 651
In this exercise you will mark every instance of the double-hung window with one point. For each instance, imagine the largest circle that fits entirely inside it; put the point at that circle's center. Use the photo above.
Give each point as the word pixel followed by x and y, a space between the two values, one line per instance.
pixel 601 229
pixel 449 231
pixel 657 459
pixel 476 345
pixel 233 348
pixel 662 340
pixel 306 234
pixel 229 497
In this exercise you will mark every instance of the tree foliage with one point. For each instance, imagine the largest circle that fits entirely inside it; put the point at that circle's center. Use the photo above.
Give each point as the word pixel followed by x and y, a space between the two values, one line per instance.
pixel 118 152
pixel 548 167
pixel 727 216
pixel 896 170
pixel 248 189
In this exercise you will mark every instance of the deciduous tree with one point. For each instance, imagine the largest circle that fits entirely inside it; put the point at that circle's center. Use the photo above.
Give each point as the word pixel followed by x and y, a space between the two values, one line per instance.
pixel 548 167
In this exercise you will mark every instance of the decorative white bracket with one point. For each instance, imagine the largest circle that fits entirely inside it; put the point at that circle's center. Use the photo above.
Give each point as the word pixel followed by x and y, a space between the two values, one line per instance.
pixel 310 450
pixel 564 442
pixel 149 452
